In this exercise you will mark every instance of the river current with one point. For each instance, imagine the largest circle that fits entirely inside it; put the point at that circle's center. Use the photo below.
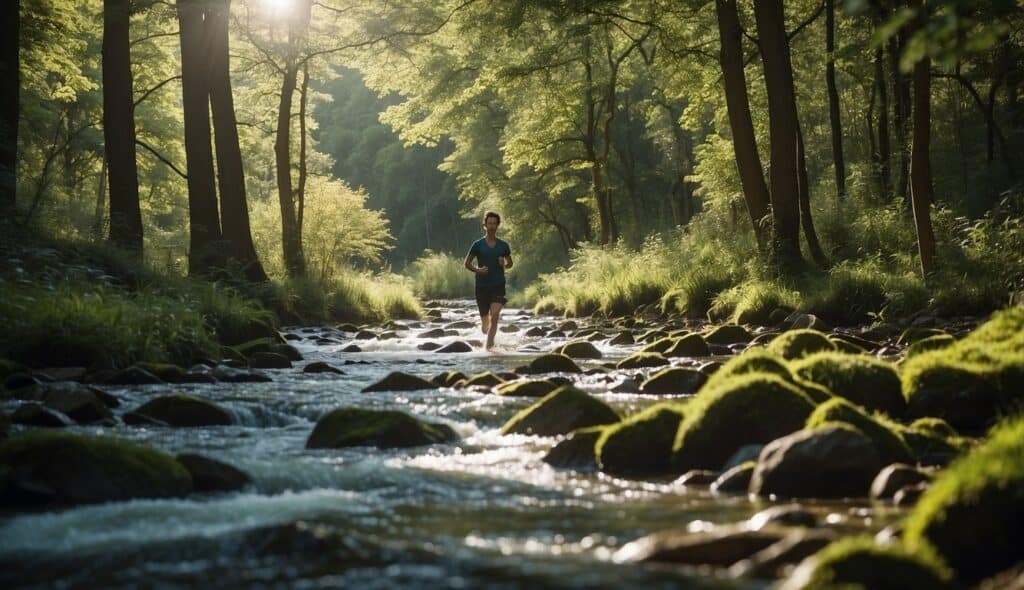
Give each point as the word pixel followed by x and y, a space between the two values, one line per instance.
pixel 485 512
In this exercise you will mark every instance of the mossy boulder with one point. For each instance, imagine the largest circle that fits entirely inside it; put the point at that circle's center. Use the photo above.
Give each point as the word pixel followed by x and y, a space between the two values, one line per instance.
pixel 861 379
pixel 883 433
pixel 858 562
pixel 972 381
pixel 796 344
pixel 937 342
pixel 688 346
pixel 936 426
pixel 580 350
pixel 640 360
pixel 660 345
pixel 184 410
pixel 847 346
pixel 735 480
pixel 550 363
pixel 527 388
pixel 59 469
pixel 357 427
pixel 576 451
pixel 834 460
pixel 399 381
pixel 210 475
pixel 728 334
pixel 973 514
pixel 78 402
pixel 485 379
pixel 917 333
pixel 560 412
pixel 641 444
pixel 674 381
pixel 748 409
pixel 448 378
pixel 165 371
pixel 751 361
pixel 255 345
pixel 652 335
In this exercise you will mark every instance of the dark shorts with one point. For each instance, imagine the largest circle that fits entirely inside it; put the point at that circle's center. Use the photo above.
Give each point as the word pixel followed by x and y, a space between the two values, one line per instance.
pixel 485 296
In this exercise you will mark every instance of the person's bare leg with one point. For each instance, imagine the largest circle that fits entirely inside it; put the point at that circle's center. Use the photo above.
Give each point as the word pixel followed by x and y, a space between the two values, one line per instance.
pixel 493 328
pixel 485 323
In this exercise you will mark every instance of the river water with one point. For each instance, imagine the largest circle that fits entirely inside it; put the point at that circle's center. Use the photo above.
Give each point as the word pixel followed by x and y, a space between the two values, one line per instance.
pixel 483 512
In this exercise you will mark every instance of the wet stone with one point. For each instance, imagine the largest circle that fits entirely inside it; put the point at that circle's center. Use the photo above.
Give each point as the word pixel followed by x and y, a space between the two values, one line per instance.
pixel 455 347
pixel 428 346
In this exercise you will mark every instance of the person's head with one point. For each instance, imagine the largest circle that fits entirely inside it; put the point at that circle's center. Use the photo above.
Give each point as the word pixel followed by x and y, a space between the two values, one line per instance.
pixel 491 220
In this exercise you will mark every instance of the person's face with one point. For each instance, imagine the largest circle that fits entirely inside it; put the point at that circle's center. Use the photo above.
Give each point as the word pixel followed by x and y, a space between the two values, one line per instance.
pixel 491 224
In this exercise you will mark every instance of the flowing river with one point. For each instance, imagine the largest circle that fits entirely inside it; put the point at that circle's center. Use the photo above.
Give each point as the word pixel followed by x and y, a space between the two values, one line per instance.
pixel 483 512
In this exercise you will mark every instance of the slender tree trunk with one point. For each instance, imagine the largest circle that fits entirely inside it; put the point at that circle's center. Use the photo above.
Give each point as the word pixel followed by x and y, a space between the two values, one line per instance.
pixel 833 101
pixel 9 97
pixel 748 161
pixel 921 175
pixel 119 128
pixel 806 220
pixel 204 218
pixel 231 176
pixel 900 115
pixel 783 125
pixel 884 147
pixel 101 199
pixel 590 140
pixel 294 260
pixel 303 171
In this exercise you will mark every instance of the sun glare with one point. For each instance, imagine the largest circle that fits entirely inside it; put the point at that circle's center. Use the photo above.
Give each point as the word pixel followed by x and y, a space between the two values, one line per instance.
pixel 277 7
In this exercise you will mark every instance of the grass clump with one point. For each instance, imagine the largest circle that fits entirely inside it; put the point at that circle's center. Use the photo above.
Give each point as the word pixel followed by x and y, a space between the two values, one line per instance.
pixel 861 379
pixel 858 562
pixel 436 275
pixel 747 409
pixel 974 512
pixel 753 302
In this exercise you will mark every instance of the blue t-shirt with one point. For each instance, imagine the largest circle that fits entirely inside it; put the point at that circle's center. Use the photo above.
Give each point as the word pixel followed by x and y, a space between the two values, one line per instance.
pixel 488 256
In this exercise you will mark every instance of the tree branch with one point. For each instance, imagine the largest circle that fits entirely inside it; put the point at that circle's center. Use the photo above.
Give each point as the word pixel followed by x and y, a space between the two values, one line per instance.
pixel 143 144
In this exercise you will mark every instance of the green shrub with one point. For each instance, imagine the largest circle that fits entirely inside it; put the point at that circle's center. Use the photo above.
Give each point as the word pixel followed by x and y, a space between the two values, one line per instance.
pixel 436 275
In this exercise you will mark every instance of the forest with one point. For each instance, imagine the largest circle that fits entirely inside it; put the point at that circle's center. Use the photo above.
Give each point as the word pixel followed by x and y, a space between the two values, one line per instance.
pixel 205 183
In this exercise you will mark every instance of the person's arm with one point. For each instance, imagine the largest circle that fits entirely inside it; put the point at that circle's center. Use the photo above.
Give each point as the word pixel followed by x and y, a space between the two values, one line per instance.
pixel 472 267
pixel 508 257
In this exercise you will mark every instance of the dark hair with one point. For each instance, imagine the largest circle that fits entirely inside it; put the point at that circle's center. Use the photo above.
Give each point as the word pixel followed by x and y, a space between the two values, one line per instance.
pixel 492 214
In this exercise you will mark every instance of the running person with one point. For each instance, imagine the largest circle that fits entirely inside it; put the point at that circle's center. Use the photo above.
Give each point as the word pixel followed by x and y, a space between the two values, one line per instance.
pixel 493 256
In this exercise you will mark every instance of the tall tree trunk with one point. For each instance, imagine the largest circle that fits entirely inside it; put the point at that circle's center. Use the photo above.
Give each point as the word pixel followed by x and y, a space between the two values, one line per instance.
pixel 101 200
pixel 783 125
pixel 900 115
pixel 9 96
pixel 805 204
pixel 303 168
pixel 119 128
pixel 884 146
pixel 833 100
pixel 597 176
pixel 748 161
pixel 291 240
pixel 204 254
pixel 921 174
pixel 231 176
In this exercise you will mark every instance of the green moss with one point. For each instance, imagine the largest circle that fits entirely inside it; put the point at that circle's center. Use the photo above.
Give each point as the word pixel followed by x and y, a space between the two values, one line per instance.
pixel 933 425
pixel 660 345
pixel 350 427
pixel 859 563
pixel 640 360
pixel 689 345
pixel 862 379
pixel 728 334
pixel 885 434
pixel 937 342
pixel 84 470
pixel 974 511
pixel 757 360
pixel 747 409
pixel 972 381
pixel 915 334
pixel 485 379
pixel 795 344
pixel 641 444
pixel 580 350
pixel 165 371
pixel 560 412
pixel 251 347
pixel 847 346
pixel 551 363
pixel 527 388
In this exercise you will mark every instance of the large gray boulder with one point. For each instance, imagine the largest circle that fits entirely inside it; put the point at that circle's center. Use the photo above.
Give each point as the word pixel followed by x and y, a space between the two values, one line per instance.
pixel 833 461
pixel 399 381
pixel 181 410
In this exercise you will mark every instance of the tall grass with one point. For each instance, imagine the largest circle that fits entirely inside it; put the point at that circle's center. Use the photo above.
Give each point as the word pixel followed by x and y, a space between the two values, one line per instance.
pixel 713 268
pixel 348 295
pixel 436 275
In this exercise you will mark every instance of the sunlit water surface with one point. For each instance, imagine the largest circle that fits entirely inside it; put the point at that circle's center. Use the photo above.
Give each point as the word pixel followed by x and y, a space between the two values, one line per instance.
pixel 483 512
